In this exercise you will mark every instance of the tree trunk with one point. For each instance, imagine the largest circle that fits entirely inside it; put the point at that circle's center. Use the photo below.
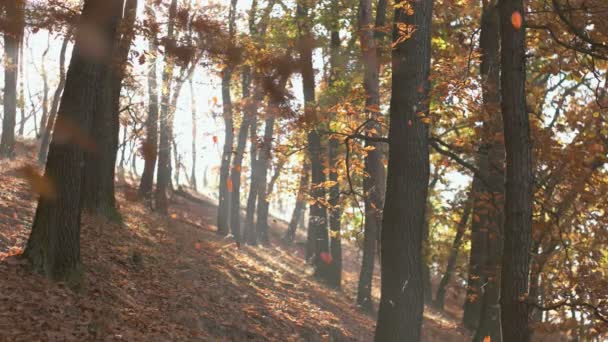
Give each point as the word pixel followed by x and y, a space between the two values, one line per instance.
pixel 21 101
pixel 101 164
pixel 224 198
pixel 194 135
pixel 163 175
pixel 53 247
pixel 375 182
pixel 449 270
pixel 12 40
pixel 45 89
pixel 150 146
pixel 489 204
pixel 264 158
pixel 50 122
pixel 401 304
pixel 235 205
pixel 519 185
pixel 254 178
pixel 298 211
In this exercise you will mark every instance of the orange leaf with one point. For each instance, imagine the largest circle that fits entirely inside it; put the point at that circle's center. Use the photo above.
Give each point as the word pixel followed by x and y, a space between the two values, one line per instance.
pixel 197 245
pixel 229 184
pixel 487 339
pixel 326 257
pixel 516 20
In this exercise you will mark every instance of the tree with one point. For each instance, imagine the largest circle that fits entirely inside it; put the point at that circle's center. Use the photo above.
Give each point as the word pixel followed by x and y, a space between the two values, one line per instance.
pixel 374 184
pixel 401 303
pixel 298 211
pixel 519 184
pixel 13 36
pixel 53 247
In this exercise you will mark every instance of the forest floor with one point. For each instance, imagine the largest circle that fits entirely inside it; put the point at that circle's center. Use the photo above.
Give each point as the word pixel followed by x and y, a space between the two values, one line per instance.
pixel 158 278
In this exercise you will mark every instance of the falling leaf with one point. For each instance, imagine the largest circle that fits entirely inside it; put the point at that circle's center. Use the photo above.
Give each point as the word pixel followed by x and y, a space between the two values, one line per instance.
pixel 487 339
pixel 214 139
pixel 173 216
pixel 39 183
pixel 197 246
pixel 229 184
pixel 516 20
pixel 326 257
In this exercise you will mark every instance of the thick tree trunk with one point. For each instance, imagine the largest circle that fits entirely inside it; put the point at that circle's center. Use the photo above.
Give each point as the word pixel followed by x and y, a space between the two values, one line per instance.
pixel 54 244
pixel 12 40
pixel 163 175
pixel 298 211
pixel 101 164
pixel 150 145
pixel 451 265
pixel 489 204
pixel 224 197
pixel 519 185
pixel 375 182
pixel 50 122
pixel 401 304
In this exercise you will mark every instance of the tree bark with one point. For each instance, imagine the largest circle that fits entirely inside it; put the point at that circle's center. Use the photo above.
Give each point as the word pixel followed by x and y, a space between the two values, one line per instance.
pixel 53 247
pixel 375 182
pixel 401 304
pixel 163 175
pixel 12 40
pixel 50 122
pixel 519 184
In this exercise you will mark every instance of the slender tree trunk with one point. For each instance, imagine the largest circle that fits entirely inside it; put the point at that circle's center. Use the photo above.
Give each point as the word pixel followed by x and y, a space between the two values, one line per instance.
pixel 489 204
pixel 519 184
pixel 401 303
pixel 264 158
pixel 21 101
pixel 50 122
pixel 235 205
pixel 12 40
pixel 298 211
pixel 53 247
pixel 150 145
pixel 194 135
pixel 335 213
pixel 45 90
pixel 451 265
pixel 317 225
pixel 254 178
pixel 225 183
pixel 163 175
pixel 374 184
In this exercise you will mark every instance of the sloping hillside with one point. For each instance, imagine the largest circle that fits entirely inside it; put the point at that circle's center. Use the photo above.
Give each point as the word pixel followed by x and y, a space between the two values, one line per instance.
pixel 154 278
